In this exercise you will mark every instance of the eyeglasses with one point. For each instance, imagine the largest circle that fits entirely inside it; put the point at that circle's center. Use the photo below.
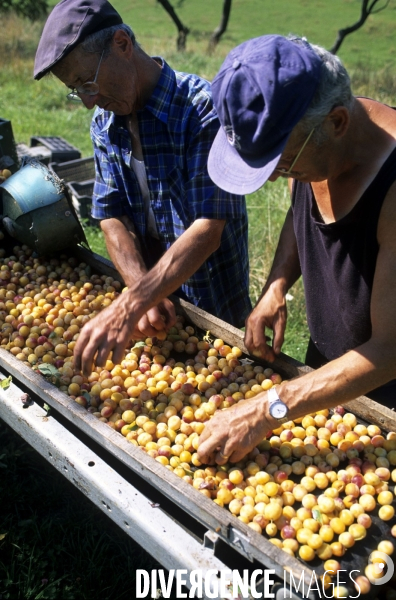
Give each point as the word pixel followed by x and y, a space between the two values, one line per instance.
pixel 289 171
pixel 90 88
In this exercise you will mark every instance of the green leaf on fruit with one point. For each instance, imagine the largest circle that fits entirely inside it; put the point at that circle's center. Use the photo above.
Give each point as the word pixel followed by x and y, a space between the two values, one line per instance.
pixel 5 383
pixel 86 395
pixel 52 335
pixel 317 515
pixel 140 344
pixel 48 370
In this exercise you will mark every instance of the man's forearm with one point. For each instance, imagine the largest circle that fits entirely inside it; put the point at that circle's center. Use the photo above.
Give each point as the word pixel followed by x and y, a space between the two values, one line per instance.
pixel 270 310
pixel 352 375
pixel 179 262
pixel 124 249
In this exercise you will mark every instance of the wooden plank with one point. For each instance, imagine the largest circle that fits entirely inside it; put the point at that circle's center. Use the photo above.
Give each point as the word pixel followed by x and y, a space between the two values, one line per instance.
pixel 288 367
pixel 372 412
pixel 101 264
pixel 97 262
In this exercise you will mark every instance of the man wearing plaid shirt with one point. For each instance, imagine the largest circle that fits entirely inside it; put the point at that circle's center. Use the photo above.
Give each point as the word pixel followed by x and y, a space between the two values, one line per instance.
pixel 167 227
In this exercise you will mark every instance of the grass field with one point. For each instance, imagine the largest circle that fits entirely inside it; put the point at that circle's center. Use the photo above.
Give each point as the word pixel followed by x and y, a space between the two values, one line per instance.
pixel 58 546
pixel 40 107
pixel 318 20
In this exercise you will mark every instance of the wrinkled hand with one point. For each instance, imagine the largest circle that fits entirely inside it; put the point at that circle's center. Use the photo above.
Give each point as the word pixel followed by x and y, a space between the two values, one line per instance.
pixel 158 318
pixel 231 434
pixel 110 331
pixel 269 312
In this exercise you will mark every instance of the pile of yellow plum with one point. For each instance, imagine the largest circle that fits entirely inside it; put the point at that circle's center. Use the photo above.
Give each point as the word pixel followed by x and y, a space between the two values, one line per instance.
pixel 311 487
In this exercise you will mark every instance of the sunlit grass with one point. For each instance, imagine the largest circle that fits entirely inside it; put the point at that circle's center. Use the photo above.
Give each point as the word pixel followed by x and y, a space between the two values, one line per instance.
pixel 95 239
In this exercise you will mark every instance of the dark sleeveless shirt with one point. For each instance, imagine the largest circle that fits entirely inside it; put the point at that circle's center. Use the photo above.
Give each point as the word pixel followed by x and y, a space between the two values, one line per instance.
pixel 338 263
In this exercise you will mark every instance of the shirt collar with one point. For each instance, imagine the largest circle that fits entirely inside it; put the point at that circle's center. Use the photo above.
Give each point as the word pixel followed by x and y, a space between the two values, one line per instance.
pixel 161 99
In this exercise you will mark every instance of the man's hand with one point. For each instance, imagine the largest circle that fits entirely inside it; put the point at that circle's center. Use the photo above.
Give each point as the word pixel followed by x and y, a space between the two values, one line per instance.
pixel 271 312
pixel 159 318
pixel 110 331
pixel 114 327
pixel 231 434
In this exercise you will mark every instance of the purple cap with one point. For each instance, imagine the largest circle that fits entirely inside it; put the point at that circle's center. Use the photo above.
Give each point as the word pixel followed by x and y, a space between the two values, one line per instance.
pixel 262 90
pixel 69 23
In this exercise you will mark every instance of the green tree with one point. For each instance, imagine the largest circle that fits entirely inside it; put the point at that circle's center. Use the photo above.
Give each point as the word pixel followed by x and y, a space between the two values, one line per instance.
pixel 31 9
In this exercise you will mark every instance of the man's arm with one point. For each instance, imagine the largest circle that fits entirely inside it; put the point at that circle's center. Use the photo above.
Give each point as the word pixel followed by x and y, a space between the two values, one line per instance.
pixel 208 209
pixel 125 251
pixel 270 310
pixel 124 248
pixel 235 432
pixel 112 329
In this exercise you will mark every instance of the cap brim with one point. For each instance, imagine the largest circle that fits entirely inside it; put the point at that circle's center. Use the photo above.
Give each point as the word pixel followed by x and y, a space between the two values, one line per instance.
pixel 238 175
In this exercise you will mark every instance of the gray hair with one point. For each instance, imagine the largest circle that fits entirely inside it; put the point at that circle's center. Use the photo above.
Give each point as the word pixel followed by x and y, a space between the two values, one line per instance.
pixel 101 40
pixel 334 89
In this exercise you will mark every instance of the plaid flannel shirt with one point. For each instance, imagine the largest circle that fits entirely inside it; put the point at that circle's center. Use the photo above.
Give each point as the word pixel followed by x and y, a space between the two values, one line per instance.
pixel 177 127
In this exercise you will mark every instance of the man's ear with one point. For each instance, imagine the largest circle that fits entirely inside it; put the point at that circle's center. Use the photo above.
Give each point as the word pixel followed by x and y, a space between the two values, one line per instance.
pixel 122 43
pixel 338 121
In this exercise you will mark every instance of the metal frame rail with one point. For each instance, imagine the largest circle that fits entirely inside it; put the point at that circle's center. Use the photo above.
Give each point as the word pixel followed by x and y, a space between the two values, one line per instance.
pixel 146 522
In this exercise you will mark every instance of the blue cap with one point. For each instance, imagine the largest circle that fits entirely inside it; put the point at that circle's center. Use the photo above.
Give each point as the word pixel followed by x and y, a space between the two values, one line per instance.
pixel 69 23
pixel 262 90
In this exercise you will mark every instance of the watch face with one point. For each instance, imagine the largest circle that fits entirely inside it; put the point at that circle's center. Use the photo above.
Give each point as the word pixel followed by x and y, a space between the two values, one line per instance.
pixel 278 410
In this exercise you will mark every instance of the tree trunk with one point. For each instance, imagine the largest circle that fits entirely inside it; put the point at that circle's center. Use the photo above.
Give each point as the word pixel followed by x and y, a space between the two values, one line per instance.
pixel 366 10
pixel 183 31
pixel 218 32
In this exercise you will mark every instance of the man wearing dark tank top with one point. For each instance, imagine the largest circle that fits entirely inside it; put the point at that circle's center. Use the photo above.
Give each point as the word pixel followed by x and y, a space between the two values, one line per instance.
pixel 287 110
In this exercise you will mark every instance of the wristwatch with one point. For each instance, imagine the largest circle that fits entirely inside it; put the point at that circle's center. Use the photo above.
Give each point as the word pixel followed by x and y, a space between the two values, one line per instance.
pixel 277 409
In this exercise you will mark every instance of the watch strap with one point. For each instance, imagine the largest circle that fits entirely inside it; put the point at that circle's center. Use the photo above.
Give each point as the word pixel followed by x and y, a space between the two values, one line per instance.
pixel 274 397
